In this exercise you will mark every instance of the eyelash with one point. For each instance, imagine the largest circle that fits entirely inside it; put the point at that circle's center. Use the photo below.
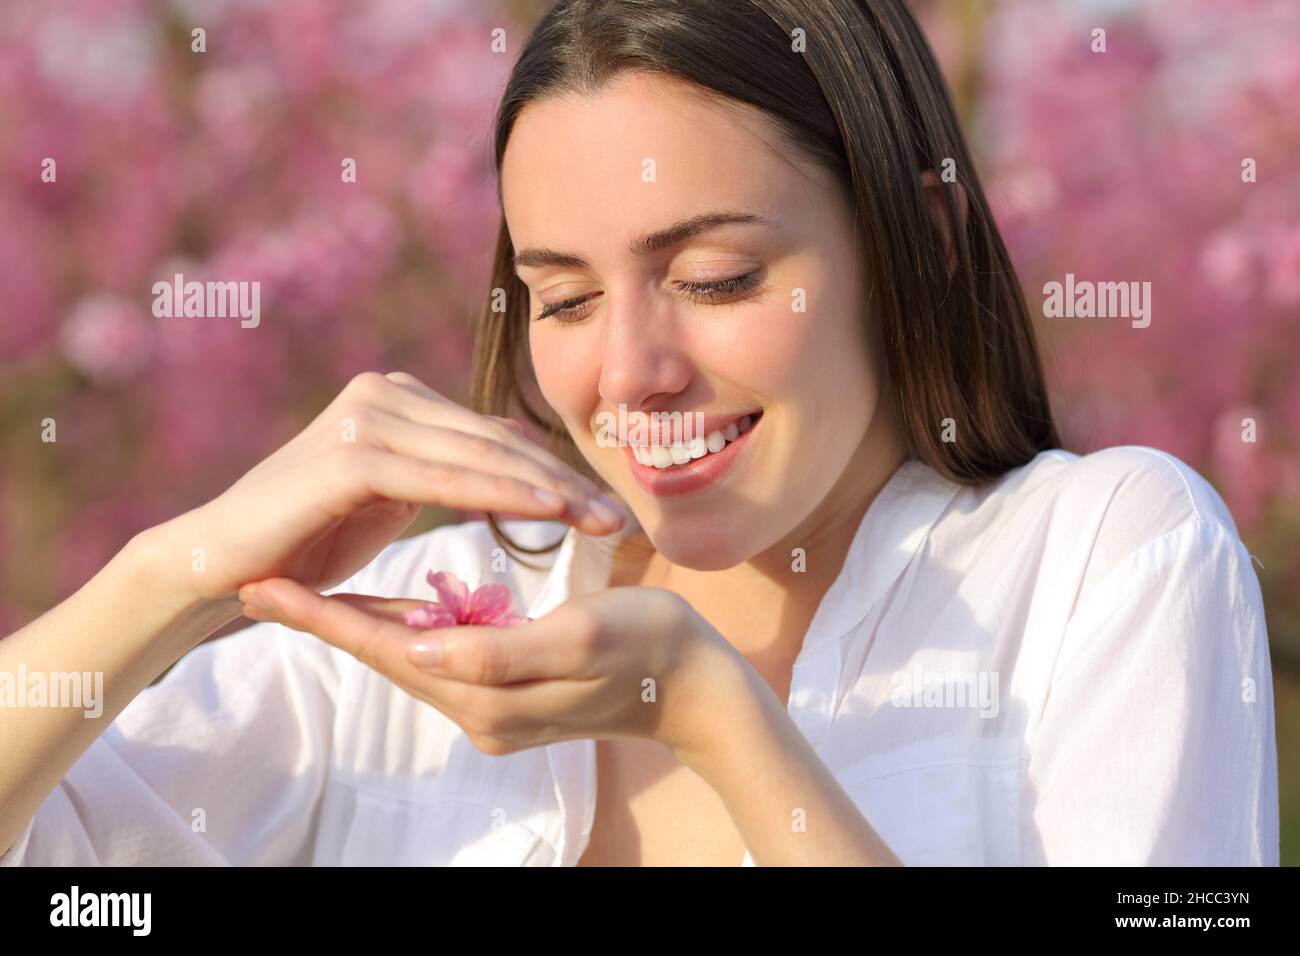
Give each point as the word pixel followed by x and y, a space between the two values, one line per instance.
pixel 700 292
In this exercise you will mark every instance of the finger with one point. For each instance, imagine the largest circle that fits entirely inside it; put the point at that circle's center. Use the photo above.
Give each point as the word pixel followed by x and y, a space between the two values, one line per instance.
pixel 510 423
pixel 345 621
pixel 403 478
pixel 498 656
pixel 390 609
pixel 422 404
pixel 407 380
pixel 482 453
pixel 370 629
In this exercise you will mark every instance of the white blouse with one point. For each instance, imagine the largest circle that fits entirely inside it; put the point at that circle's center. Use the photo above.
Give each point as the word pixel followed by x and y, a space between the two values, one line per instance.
pixel 1066 666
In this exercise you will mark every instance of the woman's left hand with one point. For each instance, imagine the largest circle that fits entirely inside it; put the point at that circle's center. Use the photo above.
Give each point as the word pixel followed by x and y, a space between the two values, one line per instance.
pixel 623 662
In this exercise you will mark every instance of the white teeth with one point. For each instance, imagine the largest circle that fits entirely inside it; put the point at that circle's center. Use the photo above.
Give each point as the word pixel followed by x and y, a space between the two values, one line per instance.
pixel 668 456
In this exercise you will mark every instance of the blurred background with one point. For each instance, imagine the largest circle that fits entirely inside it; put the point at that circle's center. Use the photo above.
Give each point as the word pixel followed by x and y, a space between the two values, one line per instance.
pixel 1115 166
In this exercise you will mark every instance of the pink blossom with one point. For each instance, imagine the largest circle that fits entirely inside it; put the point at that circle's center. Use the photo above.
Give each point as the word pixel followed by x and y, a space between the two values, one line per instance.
pixel 108 338
pixel 1227 259
pixel 490 605
pixel 1246 474
pixel 1284 274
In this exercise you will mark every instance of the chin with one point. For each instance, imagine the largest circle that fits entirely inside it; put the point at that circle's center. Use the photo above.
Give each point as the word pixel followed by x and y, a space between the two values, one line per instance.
pixel 702 545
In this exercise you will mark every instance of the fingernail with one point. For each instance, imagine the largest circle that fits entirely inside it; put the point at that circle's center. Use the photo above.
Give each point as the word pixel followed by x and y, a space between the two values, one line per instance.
pixel 605 510
pixel 427 653
pixel 548 498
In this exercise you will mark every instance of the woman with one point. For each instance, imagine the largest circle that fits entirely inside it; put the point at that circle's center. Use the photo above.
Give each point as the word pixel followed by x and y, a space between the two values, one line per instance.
pixel 852 605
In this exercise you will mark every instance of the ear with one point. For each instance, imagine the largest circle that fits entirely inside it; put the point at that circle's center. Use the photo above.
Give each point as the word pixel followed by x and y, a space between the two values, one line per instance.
pixel 934 190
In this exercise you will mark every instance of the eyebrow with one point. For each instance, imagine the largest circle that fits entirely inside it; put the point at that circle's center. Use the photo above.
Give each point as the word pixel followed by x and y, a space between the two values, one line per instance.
pixel 644 245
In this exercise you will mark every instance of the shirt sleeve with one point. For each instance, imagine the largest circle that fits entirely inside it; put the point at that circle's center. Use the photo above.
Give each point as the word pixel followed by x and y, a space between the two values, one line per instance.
pixel 222 762
pixel 1156 743
pixel 227 759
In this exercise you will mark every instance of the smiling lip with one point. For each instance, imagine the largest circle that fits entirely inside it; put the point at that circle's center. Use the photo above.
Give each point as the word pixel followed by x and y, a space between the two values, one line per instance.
pixel 695 475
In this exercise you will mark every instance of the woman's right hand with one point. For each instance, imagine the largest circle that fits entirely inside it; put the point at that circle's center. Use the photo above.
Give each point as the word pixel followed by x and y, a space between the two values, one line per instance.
pixel 322 506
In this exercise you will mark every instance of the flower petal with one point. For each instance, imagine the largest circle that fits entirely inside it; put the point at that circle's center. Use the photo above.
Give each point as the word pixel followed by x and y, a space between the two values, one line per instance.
pixel 491 604
pixel 453 593
pixel 430 616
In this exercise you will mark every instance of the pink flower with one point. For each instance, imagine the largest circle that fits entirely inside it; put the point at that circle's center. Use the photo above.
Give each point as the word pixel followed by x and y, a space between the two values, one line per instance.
pixel 108 338
pixel 491 604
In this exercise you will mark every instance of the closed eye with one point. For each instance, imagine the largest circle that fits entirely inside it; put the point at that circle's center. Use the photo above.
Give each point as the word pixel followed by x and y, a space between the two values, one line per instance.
pixel 718 290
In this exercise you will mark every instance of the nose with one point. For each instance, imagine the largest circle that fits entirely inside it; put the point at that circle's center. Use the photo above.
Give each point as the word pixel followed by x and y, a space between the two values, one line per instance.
pixel 643 364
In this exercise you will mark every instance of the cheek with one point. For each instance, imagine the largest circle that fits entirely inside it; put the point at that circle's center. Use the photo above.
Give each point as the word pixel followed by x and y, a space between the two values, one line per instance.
pixel 823 347
pixel 819 367
pixel 566 375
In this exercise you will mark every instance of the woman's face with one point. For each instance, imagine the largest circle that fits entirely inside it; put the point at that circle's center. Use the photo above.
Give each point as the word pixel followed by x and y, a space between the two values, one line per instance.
pixel 760 319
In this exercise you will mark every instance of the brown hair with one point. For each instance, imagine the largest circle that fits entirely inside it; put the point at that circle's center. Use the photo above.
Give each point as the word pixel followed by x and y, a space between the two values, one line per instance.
pixel 864 97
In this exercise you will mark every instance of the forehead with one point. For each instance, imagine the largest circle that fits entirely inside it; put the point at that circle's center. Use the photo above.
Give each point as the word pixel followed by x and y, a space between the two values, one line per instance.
pixel 637 153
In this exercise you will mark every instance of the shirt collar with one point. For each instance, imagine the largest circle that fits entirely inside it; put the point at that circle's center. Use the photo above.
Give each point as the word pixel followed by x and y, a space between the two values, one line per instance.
pixel 889 536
